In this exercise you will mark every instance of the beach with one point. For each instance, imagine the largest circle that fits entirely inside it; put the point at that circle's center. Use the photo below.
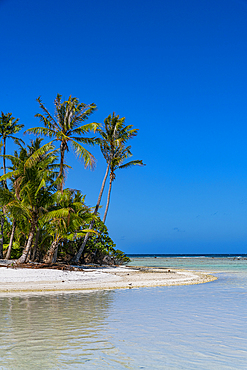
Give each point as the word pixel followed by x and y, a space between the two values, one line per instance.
pixel 14 279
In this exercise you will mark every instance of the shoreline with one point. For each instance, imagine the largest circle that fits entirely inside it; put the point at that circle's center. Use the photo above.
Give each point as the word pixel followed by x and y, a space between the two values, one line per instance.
pixel 23 280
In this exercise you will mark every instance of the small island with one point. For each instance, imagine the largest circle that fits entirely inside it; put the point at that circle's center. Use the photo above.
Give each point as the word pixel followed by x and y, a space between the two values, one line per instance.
pixel 50 239
pixel 41 220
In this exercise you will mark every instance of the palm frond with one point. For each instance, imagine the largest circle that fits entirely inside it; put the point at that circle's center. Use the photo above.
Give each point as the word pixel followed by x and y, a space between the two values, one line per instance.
pixel 41 131
pixel 9 175
pixel 80 234
pixel 34 158
pixel 132 163
pixel 82 113
pixel 16 139
pixel 82 153
pixel 82 130
pixel 48 120
pixel 85 140
pixel 41 185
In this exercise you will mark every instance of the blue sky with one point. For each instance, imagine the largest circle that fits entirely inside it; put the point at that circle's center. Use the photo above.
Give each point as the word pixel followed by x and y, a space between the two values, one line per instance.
pixel 177 71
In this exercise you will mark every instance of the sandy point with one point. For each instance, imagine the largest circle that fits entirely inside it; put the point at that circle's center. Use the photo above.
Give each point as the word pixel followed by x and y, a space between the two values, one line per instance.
pixel 14 280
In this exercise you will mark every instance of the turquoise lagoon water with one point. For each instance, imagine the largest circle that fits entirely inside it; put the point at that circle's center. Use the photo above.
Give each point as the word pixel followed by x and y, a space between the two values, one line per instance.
pixel 181 327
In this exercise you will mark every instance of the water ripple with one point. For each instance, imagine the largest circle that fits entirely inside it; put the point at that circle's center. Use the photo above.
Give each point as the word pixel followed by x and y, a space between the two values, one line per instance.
pixel 180 327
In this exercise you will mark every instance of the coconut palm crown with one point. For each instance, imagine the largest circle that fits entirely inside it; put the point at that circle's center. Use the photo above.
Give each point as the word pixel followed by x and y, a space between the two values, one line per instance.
pixel 65 127
pixel 8 127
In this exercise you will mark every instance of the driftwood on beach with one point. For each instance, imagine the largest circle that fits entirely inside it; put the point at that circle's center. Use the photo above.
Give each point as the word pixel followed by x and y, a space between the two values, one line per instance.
pixel 54 266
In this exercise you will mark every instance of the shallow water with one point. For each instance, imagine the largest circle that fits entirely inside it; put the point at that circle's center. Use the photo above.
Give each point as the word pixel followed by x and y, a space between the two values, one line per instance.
pixel 180 327
pixel 218 264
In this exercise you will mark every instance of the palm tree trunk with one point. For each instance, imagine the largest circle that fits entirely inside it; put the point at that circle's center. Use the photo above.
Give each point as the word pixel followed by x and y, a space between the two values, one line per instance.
pixel 54 259
pixel 29 254
pixel 4 152
pixel 60 175
pixel 24 255
pixel 8 255
pixel 2 216
pixel 35 247
pixel 1 237
pixel 102 189
pixel 51 255
pixel 79 253
pixel 108 198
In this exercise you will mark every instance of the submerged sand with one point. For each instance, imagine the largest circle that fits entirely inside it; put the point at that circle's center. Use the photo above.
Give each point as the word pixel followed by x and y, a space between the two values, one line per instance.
pixel 122 277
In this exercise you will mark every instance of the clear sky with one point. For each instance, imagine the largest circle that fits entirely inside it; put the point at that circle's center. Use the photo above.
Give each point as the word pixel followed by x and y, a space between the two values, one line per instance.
pixel 177 70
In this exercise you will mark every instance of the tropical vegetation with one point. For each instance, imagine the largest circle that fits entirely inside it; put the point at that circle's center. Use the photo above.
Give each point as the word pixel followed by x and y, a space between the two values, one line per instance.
pixel 41 220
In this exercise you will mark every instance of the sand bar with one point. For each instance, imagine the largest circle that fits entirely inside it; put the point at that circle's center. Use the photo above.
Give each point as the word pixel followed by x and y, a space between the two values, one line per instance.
pixel 122 277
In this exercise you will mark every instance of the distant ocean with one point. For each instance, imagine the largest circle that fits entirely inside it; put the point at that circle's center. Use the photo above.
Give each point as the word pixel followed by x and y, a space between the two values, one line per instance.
pixel 189 327
pixel 208 262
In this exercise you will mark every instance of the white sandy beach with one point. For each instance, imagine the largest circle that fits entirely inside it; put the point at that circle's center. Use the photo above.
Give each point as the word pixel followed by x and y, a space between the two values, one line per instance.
pixel 47 280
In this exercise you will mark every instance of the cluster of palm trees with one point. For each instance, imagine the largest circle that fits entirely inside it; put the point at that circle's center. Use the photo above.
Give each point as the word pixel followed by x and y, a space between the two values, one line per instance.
pixel 39 214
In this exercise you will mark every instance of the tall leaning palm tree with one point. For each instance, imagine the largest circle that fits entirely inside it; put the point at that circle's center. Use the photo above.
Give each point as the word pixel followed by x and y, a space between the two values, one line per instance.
pixel 65 127
pixel 113 134
pixel 120 154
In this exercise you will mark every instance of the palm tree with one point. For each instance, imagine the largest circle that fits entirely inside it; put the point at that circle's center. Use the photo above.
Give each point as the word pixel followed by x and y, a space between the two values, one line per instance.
pixel 33 179
pixel 65 220
pixel 7 196
pixel 121 153
pixel 8 127
pixel 113 134
pixel 65 128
